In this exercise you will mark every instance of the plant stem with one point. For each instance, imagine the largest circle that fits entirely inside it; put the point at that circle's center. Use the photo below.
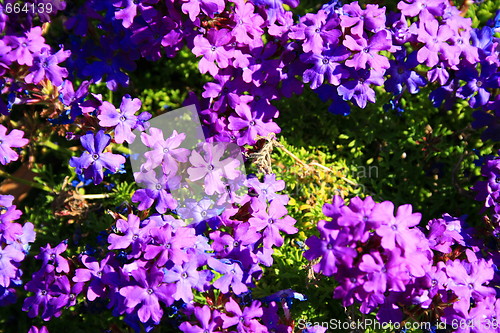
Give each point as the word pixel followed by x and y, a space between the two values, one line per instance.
pixel 26 182
pixel 122 149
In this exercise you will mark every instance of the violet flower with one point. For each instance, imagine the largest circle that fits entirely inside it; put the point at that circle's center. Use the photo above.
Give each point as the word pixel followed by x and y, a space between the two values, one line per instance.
pixel 8 141
pixel 123 120
pixel 93 160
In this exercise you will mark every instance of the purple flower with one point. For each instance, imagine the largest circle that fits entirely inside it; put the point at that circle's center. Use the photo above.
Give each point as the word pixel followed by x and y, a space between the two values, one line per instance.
pixel 164 152
pixel 147 293
pixel 8 141
pixel 156 190
pixel 123 120
pixel 367 51
pixel 248 24
pixel 34 329
pixel 266 190
pixel 246 320
pixel 210 321
pixel 316 30
pixel 478 85
pixel 209 7
pixel 96 274
pixel 232 275
pixel 52 259
pixel 212 167
pixel 372 18
pixel 45 65
pixel 435 37
pixel 272 222
pixel 5 57
pixel 169 245
pixel 185 276
pixel 470 279
pixel 445 232
pixel 23 48
pixel 249 124
pixel 332 247
pixel 9 257
pixel 131 230
pixel 93 160
pixel 402 76
pixel 414 7
pixel 395 230
pixel 325 66
pixel 359 88
pixel 213 48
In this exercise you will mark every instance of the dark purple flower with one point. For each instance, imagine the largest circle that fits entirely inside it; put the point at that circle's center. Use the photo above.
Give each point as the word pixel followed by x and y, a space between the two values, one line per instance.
pixel 52 259
pixel 93 160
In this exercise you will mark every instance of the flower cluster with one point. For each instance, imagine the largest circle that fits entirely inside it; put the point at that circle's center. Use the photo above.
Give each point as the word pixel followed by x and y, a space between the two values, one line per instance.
pixel 15 242
pixel 387 264
pixel 488 191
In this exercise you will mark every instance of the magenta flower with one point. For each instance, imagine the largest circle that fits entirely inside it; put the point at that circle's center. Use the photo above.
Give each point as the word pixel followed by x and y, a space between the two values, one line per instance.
pixel 93 160
pixel 209 7
pixel 8 141
pixel 213 49
pixel 250 123
pixel 209 320
pixel 147 294
pixel 316 30
pixel 368 51
pixel 245 320
pixel 46 65
pixel 435 37
pixel 123 120
pixel 169 245
pixel 352 16
pixel 272 222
